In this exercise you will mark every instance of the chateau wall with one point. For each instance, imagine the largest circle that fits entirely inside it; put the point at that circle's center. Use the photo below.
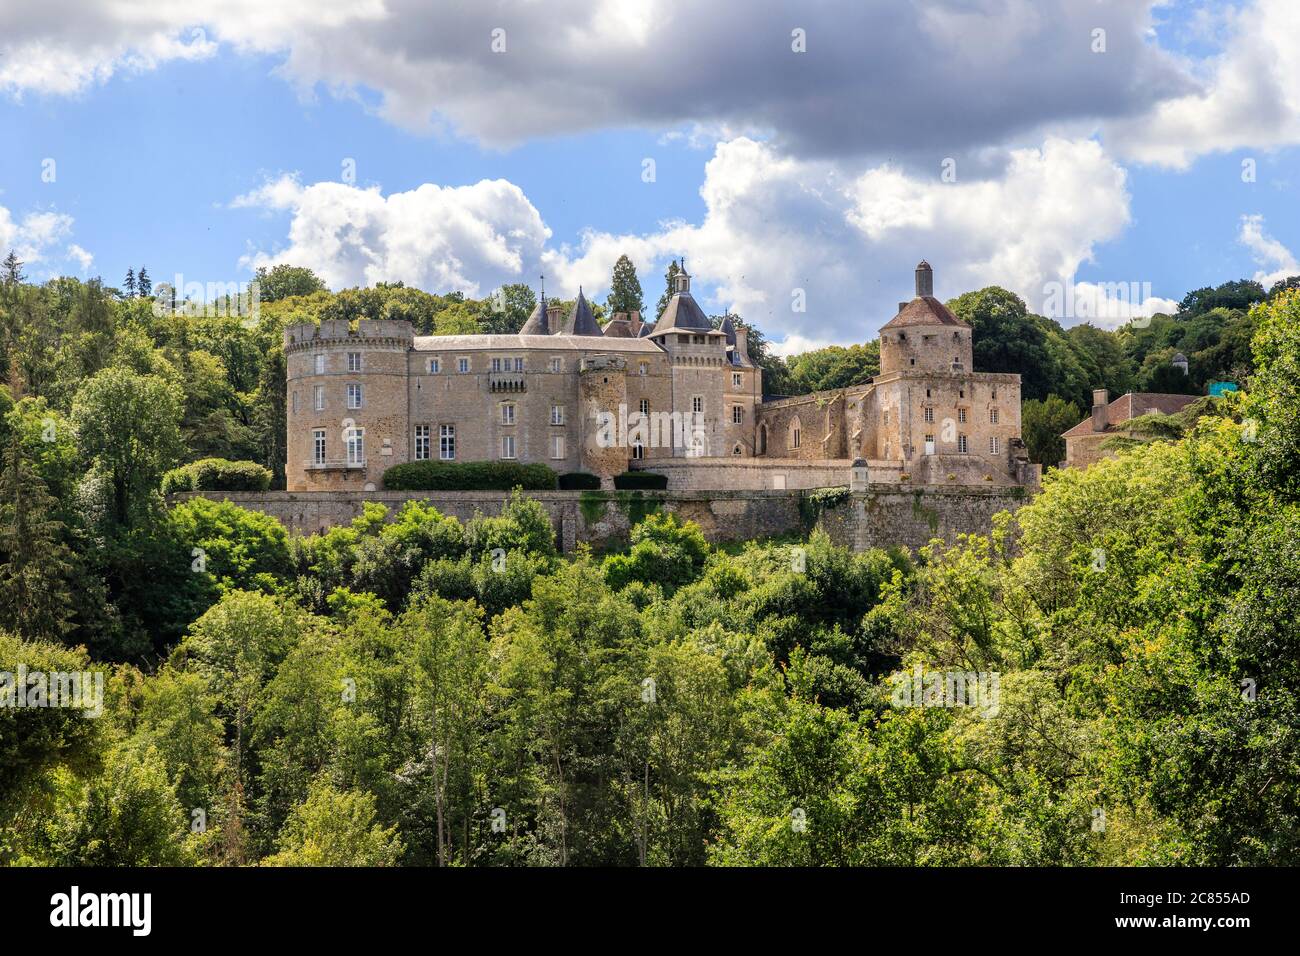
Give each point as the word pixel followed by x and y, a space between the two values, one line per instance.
pixel 883 516
pixel 750 473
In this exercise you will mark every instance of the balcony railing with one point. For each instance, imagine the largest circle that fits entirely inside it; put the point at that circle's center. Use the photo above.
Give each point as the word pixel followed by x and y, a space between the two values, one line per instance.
pixel 506 381
pixel 333 464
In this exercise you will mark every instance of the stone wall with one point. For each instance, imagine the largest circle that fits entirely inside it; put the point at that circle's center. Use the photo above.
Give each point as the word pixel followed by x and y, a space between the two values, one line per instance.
pixel 883 516
pixel 757 474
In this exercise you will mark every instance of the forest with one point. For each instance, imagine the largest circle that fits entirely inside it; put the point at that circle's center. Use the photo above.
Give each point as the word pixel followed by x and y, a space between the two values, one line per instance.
pixel 416 690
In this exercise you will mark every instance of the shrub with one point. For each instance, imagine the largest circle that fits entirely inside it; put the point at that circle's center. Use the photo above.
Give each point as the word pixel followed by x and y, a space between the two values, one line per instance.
pixel 640 479
pixel 468 476
pixel 579 481
pixel 217 474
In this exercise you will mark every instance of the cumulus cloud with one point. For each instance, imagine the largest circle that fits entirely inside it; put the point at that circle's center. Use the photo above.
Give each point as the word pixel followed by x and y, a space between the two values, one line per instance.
pixel 470 238
pixel 936 75
pixel 1248 95
pixel 812 250
pixel 1277 260
pixel 39 240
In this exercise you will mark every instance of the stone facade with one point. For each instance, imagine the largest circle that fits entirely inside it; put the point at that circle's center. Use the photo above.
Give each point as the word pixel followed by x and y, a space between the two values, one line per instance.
pixel 927 418
pixel 362 400
pixel 681 398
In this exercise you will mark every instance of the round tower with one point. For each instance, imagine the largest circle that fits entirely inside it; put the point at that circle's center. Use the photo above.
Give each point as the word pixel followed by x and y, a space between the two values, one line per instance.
pixel 602 396
pixel 346 413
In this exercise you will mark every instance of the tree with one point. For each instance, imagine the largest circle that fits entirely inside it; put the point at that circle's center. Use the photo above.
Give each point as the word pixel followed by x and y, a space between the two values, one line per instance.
pixel 624 289
pixel 1041 425
pixel 284 280
pixel 143 282
pixel 670 286
pixel 336 828
pixel 1006 338
pixel 129 283
pixel 13 266
pixel 129 427
pixel 509 309
pixel 35 576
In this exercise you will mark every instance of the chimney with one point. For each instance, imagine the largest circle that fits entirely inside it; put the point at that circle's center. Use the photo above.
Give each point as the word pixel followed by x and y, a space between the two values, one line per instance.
pixel 619 317
pixel 1099 402
pixel 742 343
pixel 634 316
pixel 554 318
pixel 924 279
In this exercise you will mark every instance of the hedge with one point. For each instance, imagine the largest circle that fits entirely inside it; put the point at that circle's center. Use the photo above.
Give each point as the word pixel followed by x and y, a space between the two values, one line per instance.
pixel 217 474
pixel 468 476
pixel 579 481
pixel 640 479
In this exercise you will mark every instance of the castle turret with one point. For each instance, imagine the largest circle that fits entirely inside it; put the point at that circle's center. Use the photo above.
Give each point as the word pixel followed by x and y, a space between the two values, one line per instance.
pixel 925 335
pixel 346 420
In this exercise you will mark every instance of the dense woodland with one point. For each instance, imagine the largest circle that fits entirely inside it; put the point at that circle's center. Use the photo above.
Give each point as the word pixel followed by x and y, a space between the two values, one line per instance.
pixel 423 691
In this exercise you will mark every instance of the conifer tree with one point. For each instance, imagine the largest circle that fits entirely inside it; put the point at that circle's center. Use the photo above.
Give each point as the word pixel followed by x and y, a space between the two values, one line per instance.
pixel 624 288
pixel 35 598
pixel 13 269
pixel 143 282
pixel 670 278
pixel 129 284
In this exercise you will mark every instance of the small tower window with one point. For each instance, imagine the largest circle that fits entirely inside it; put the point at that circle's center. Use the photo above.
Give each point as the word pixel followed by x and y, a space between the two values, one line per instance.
pixel 354 361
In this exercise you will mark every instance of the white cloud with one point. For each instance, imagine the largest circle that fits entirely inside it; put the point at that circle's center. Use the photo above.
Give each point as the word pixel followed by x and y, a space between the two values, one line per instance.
pixel 38 240
pixel 1249 95
pixel 776 230
pixel 1278 261
pixel 470 238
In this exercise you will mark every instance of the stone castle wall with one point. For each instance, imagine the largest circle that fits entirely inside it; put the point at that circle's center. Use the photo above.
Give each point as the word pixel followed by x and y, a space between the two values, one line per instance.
pixel 881 517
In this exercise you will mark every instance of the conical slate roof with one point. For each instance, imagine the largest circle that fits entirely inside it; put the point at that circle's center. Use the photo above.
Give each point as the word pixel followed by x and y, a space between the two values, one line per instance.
pixel 683 313
pixel 581 321
pixel 537 324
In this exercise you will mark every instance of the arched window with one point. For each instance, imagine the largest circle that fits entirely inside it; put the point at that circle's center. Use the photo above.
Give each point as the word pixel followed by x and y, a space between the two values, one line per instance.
pixel 762 439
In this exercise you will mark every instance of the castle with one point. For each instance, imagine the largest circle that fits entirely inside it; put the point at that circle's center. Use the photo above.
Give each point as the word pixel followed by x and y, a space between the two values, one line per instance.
pixel 679 397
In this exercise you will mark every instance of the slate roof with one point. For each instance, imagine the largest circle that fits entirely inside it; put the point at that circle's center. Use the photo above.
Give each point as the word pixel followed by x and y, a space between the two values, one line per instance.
pixel 924 310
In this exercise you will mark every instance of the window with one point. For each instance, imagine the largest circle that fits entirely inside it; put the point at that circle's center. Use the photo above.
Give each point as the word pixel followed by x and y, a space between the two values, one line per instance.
pixel 737 380
pixel 737 414
pixel 354 395
pixel 638 451
pixel 993 416
pixel 961 393
pixel 961 444
pixel 320 365
pixel 557 446
pixel 507 446
pixel 929 444
pixel 435 366
pixel 354 361
pixel 462 364
pixel 496 365
pixel 557 364
pixel 318 446
pixel 447 442
pixel 645 406
pixel 519 364
pixel 683 340
pixel 927 393
pixel 643 368
pixel 557 414
pixel 961 416
pixel 295 402
pixel 929 414
pixel 697 403
pixel 795 442
pixel 356 444
pixel 994 445
pixel 508 414
pixel 993 391
pixel 318 397
pixel 421 442
pixel 737 451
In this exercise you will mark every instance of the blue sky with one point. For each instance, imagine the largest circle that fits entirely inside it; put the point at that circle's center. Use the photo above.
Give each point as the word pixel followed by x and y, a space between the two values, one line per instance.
pixel 774 171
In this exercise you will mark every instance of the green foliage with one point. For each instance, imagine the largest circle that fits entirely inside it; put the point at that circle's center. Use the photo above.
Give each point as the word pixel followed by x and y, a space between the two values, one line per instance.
pixel 217 474
pixel 629 480
pixel 469 476
pixel 240 549
pixel 283 281
pixel 336 828
pixel 578 481
pixel 1042 423
pixel 624 289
